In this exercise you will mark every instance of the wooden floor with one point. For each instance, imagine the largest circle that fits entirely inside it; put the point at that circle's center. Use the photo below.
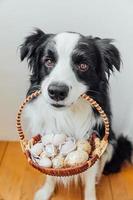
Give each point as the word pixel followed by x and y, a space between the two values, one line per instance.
pixel 19 181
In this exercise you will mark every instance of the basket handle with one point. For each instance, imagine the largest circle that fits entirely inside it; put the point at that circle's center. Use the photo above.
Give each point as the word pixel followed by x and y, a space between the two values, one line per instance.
pixel 92 102
pixel 22 137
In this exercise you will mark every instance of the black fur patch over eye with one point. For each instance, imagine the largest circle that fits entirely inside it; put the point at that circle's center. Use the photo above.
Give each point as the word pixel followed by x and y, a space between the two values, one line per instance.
pixel 50 58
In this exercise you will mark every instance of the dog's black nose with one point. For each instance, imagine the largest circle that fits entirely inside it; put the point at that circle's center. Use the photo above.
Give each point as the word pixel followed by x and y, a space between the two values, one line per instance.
pixel 58 91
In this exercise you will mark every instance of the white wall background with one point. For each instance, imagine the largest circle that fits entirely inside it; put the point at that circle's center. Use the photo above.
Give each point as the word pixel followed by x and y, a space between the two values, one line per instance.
pixel 104 18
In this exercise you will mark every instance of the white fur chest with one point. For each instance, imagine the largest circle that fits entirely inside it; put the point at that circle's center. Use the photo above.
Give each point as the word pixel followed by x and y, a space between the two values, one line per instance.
pixel 76 120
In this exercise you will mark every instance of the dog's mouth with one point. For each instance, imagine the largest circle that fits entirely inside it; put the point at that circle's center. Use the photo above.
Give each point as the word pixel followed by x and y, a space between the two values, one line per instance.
pixel 58 105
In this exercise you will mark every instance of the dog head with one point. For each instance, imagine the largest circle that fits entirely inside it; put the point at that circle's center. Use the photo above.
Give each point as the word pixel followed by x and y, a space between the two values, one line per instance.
pixel 66 65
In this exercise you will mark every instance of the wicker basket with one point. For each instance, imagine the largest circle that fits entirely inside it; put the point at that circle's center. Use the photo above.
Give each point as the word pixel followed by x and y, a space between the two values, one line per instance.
pixel 68 171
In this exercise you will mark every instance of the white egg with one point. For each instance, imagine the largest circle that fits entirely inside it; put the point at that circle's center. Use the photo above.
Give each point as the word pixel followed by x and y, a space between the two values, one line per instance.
pixel 84 145
pixel 58 161
pixel 76 157
pixel 36 149
pixel 50 150
pixel 59 139
pixel 47 139
pixel 67 147
pixel 45 162
pixel 70 139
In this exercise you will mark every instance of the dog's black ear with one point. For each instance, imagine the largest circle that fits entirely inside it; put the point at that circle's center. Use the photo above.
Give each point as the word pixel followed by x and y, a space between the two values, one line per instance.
pixel 110 54
pixel 28 48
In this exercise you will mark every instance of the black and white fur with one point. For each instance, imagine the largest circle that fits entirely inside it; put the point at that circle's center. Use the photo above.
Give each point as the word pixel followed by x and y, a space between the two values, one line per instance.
pixel 72 64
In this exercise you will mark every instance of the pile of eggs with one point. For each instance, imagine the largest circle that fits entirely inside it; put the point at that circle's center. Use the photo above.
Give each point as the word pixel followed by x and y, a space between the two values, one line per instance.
pixel 60 151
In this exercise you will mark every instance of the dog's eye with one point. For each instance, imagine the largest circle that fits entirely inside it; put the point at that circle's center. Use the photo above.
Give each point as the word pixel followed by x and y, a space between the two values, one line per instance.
pixel 49 62
pixel 83 67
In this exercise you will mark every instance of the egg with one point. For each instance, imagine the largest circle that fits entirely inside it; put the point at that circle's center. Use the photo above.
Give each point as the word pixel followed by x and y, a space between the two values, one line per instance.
pixel 47 139
pixel 84 145
pixel 58 161
pixel 36 149
pixel 45 162
pixel 70 139
pixel 50 150
pixel 59 139
pixel 76 157
pixel 67 147
pixel 43 154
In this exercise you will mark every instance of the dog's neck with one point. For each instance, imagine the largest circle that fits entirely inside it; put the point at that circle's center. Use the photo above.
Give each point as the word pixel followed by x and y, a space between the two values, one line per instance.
pixel 77 120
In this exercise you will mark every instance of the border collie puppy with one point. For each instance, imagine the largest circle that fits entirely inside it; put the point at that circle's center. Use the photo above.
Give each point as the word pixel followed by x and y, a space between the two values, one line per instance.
pixel 64 66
